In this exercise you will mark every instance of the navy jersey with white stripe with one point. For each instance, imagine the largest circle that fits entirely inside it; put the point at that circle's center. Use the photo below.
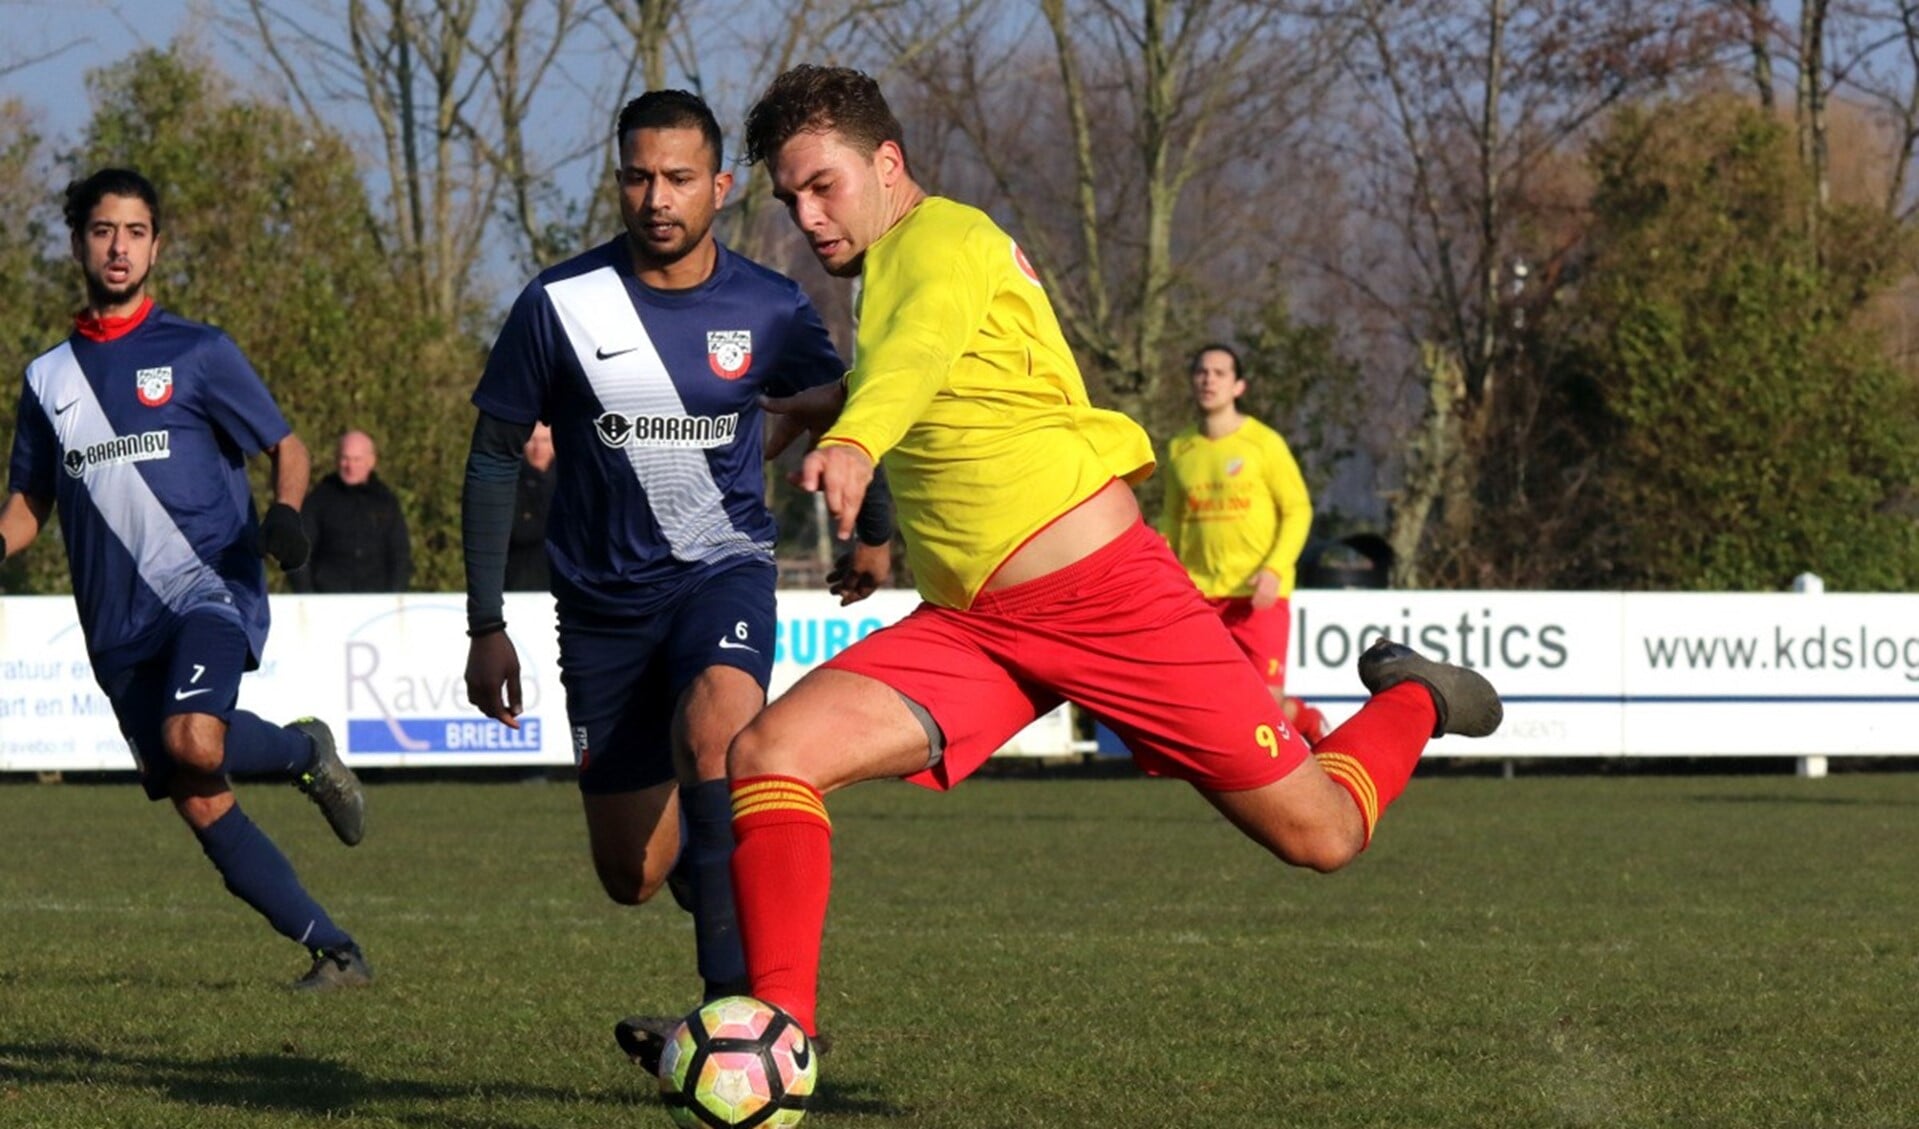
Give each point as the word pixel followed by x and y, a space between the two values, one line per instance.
pixel 142 442
pixel 652 396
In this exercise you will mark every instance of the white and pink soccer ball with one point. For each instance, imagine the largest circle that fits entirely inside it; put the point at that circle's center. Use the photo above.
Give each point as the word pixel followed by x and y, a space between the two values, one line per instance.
pixel 738 1063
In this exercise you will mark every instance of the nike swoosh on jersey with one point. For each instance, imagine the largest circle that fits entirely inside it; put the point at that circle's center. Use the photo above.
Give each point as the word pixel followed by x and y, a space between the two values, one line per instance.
pixel 62 409
pixel 183 695
pixel 604 355
pixel 729 645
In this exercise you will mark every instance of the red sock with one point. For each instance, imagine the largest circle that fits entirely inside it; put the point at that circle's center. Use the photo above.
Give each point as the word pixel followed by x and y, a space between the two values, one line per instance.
pixel 1373 754
pixel 782 871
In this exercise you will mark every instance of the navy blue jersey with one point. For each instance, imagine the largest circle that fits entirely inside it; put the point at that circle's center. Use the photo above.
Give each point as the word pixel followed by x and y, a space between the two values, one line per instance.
pixel 142 442
pixel 652 396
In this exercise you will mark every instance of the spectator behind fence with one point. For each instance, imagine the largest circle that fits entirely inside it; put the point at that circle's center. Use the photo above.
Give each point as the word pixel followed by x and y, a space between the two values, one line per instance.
pixel 526 551
pixel 358 533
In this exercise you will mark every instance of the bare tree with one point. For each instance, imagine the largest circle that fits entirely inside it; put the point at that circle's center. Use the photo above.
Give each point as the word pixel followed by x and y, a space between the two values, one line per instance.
pixel 412 62
pixel 1093 124
pixel 648 24
pixel 1867 56
pixel 520 58
pixel 16 62
pixel 419 69
pixel 474 106
pixel 1456 111
pixel 1762 35
pixel 1809 105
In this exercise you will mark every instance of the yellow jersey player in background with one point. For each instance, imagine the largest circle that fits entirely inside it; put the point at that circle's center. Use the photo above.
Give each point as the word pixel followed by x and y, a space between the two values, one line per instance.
pixel 1236 513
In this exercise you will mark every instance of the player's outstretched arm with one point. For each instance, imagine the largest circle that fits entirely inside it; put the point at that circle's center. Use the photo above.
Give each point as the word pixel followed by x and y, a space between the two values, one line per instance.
pixel 21 520
pixel 486 526
pixel 282 536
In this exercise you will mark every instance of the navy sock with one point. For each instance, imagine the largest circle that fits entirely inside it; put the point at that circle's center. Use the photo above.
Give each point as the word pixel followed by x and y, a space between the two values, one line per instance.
pixel 261 748
pixel 259 875
pixel 708 857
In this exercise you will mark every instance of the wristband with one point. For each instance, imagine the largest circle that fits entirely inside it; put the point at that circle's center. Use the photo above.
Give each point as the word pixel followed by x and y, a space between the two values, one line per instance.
pixel 485 629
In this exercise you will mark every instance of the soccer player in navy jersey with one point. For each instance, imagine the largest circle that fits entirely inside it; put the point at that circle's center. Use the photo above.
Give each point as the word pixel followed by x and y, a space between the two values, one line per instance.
pixel 648 356
pixel 138 427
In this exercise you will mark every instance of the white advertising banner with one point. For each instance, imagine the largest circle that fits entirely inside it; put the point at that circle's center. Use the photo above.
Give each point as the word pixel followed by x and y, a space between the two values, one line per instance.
pixel 1821 675
pixel 1582 674
pixel 1642 674
pixel 387 672
pixel 1556 658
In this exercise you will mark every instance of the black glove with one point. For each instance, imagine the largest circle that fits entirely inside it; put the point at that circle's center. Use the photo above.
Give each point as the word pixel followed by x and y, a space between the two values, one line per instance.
pixel 283 538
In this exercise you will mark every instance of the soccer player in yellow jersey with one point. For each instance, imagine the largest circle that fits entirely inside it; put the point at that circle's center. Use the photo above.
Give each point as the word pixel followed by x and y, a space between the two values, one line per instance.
pixel 1236 513
pixel 1041 581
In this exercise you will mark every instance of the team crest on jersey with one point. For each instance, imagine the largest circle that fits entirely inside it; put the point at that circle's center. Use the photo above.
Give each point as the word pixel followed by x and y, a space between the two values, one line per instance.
pixel 1025 265
pixel 154 386
pixel 1234 466
pixel 729 352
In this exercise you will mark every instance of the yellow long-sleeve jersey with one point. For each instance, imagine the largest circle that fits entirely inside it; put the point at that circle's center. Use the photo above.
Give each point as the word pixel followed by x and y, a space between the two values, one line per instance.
pixel 962 382
pixel 1235 506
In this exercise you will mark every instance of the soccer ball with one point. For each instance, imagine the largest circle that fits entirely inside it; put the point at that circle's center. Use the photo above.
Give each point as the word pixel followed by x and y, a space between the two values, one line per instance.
pixel 738 1063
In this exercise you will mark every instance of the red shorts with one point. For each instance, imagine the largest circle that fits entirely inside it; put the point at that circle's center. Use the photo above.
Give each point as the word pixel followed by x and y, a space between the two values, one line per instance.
pixel 1262 635
pixel 1123 634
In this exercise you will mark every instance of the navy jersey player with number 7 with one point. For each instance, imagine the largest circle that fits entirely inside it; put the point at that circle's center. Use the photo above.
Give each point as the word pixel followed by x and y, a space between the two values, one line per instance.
pixel 648 357
pixel 138 427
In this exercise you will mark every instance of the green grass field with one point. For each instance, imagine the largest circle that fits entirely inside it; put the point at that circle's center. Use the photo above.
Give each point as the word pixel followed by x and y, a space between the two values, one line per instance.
pixel 1555 951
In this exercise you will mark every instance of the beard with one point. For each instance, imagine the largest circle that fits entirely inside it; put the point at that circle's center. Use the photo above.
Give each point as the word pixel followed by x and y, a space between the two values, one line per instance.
pixel 101 295
pixel 655 255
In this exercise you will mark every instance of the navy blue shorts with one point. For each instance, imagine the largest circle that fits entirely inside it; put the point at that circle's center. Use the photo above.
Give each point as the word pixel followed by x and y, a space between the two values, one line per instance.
pixel 197 670
pixel 624 675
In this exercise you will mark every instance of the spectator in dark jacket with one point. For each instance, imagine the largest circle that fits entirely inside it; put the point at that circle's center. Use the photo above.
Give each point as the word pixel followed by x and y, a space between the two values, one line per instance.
pixel 354 522
pixel 526 551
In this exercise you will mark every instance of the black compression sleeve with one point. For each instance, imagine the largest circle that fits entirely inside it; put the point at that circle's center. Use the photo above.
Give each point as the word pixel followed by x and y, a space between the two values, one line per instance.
pixel 874 523
pixel 486 517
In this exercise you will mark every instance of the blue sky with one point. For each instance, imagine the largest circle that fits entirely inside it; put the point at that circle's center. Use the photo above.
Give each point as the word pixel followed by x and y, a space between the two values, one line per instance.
pixel 82 35
pixel 86 34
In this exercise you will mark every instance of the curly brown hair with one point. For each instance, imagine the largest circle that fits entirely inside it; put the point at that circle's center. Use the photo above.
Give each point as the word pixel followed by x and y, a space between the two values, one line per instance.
pixel 811 98
pixel 82 196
